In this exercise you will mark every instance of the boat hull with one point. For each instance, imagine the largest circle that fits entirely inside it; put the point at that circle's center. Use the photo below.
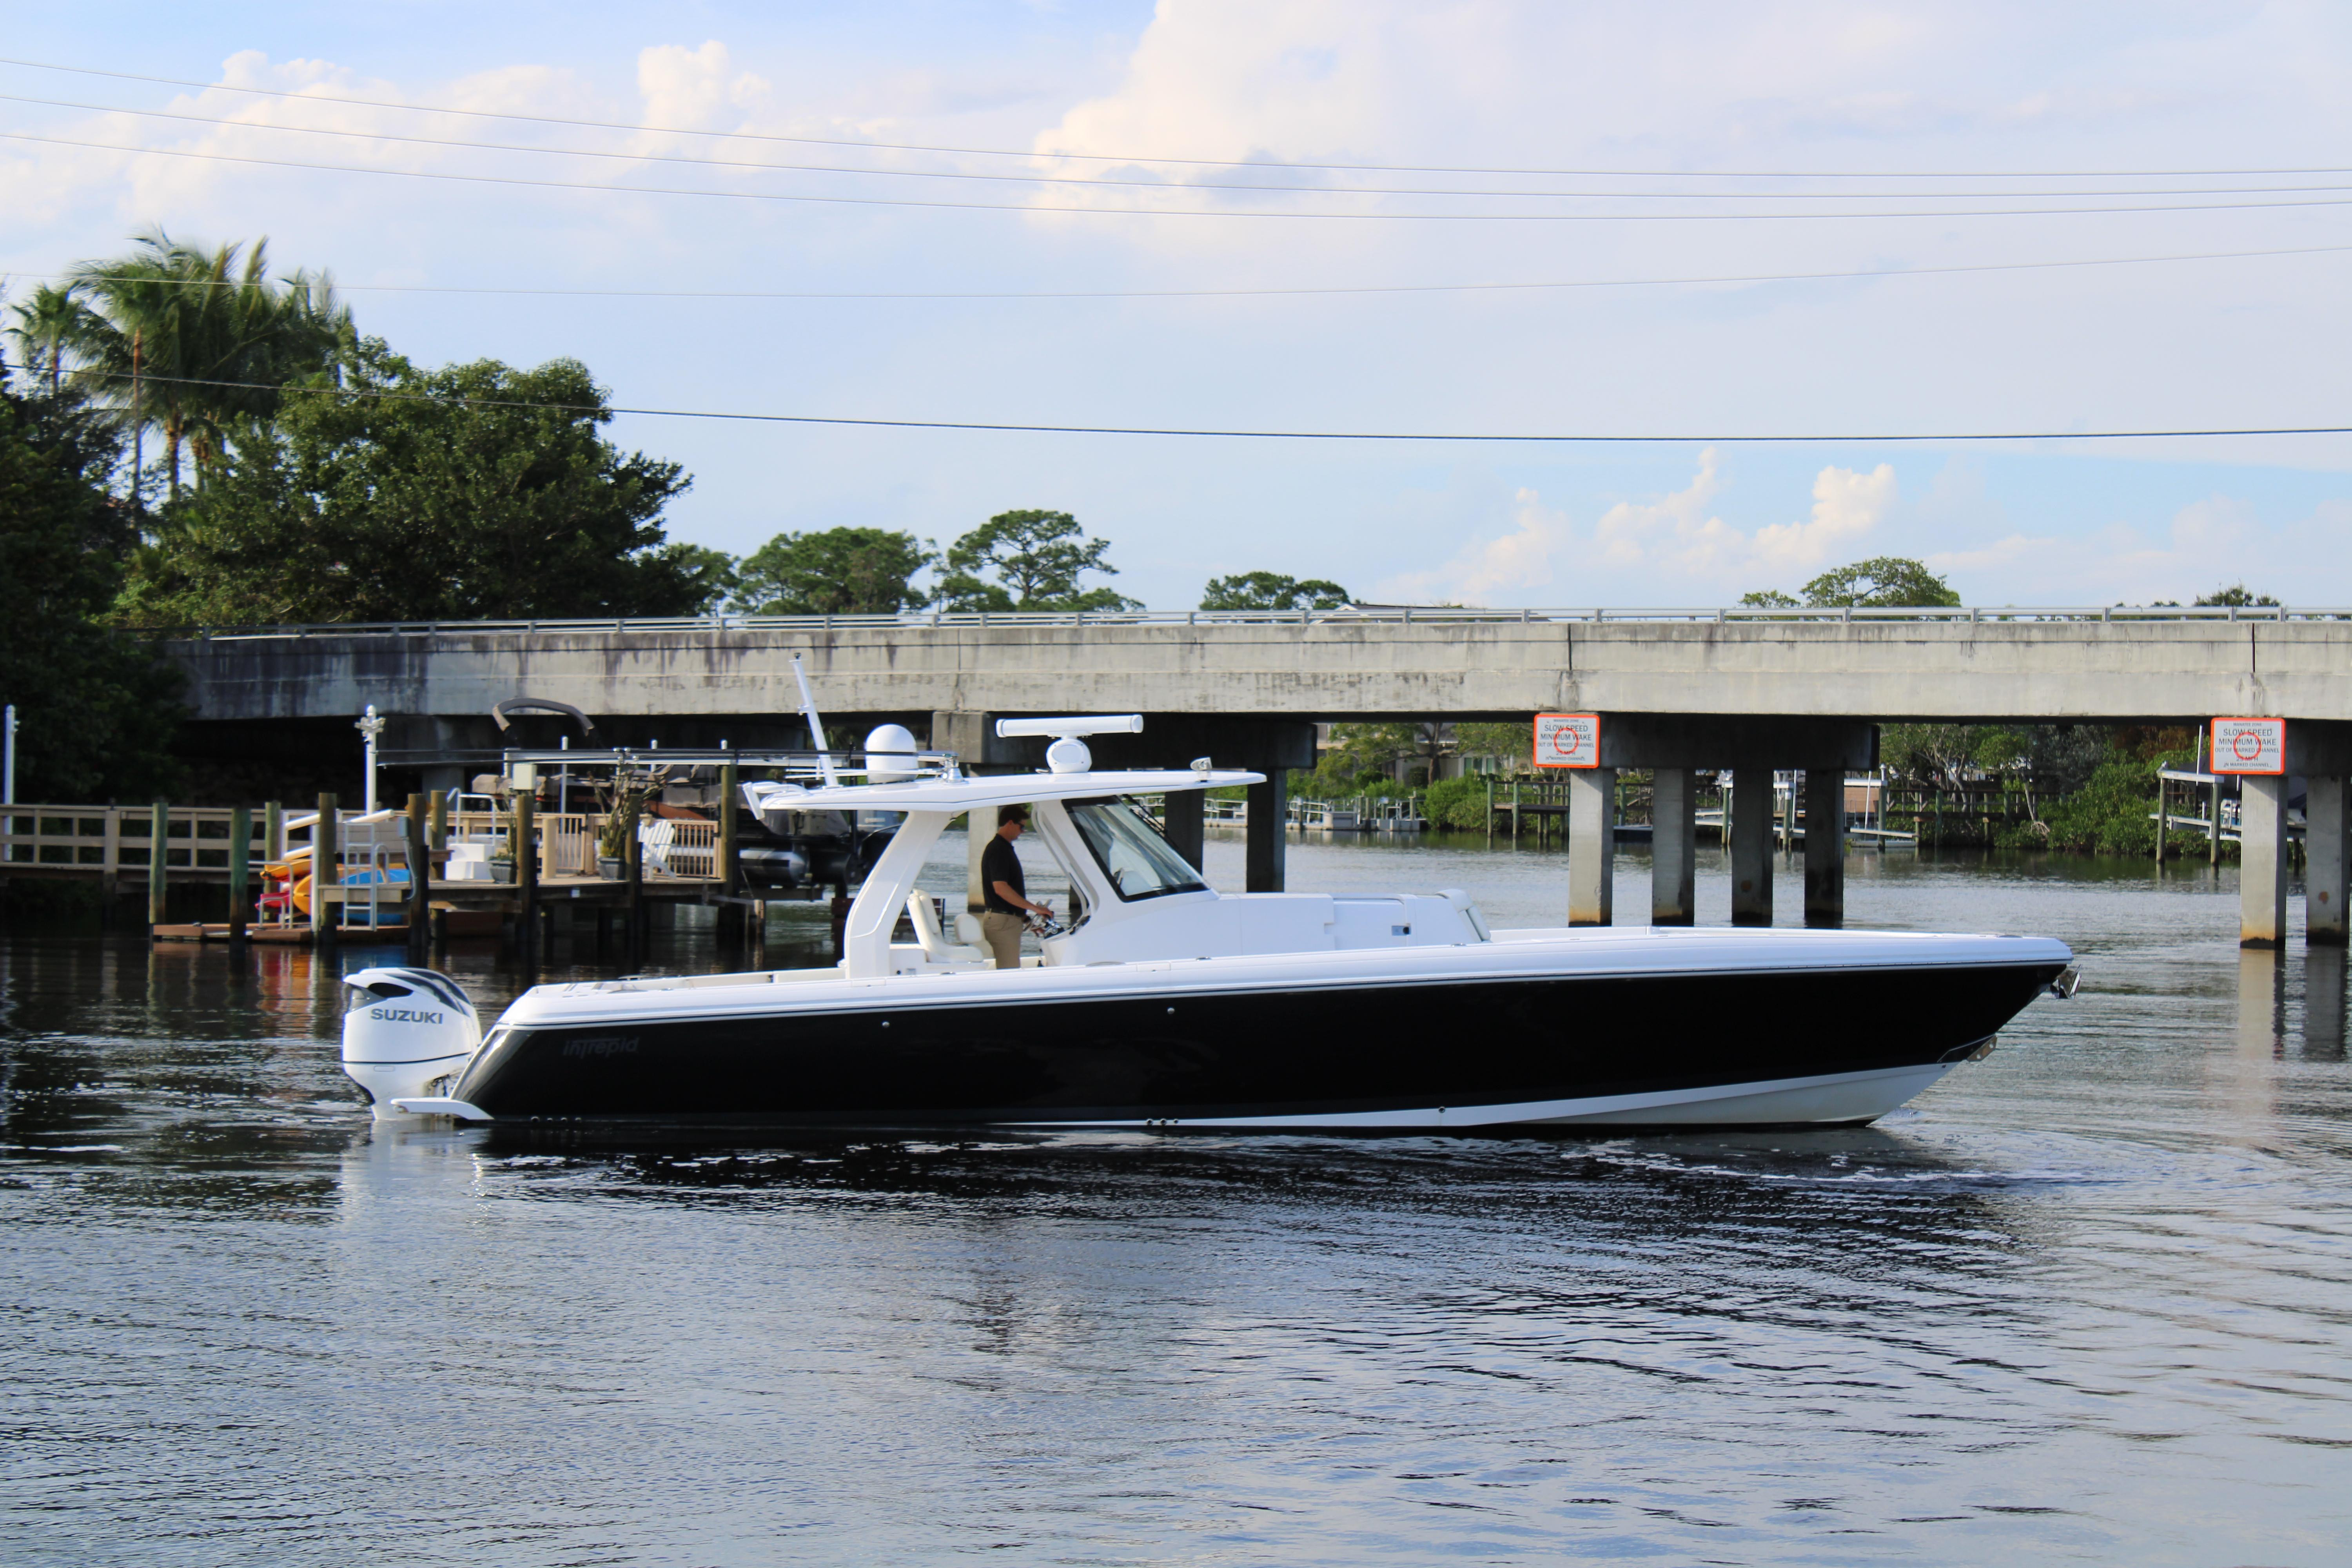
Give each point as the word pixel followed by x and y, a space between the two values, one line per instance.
pixel 1813 1046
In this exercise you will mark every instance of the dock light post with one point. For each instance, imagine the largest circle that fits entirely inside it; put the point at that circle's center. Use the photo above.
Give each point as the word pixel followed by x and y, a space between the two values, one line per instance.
pixel 370 724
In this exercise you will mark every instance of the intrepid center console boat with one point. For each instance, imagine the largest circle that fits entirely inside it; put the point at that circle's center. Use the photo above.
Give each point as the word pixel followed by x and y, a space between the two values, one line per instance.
pixel 1168 1003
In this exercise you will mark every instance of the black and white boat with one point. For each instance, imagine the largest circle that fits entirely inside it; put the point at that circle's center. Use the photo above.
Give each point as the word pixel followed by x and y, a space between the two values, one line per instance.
pixel 1168 1003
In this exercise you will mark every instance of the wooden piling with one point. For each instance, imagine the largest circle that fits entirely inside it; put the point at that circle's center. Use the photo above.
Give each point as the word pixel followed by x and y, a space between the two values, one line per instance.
pixel 159 828
pixel 632 870
pixel 729 867
pixel 326 871
pixel 420 879
pixel 523 841
pixel 240 869
pixel 273 832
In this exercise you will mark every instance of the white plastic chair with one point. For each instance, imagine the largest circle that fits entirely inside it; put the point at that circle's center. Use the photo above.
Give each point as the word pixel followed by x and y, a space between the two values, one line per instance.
pixel 656 837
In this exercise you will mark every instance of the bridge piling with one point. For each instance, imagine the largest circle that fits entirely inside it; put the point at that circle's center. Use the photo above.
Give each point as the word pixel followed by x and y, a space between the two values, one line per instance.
pixel 2262 861
pixel 1591 846
pixel 1751 846
pixel 2326 862
pixel 1824 848
pixel 1268 836
pixel 1183 813
pixel 1673 847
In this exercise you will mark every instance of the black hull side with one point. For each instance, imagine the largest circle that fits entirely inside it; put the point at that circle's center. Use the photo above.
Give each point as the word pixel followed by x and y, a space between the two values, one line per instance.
pixel 1186 1057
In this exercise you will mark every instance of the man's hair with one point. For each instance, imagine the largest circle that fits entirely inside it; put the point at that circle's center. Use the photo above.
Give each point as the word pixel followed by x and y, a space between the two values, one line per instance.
pixel 1005 813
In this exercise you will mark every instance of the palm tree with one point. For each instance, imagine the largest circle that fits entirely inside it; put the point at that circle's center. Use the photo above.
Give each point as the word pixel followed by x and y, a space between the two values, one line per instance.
pixel 184 339
pixel 49 324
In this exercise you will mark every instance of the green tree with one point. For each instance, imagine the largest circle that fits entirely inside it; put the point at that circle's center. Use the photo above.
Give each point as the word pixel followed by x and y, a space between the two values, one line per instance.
pixel 1881 581
pixel 2236 594
pixel 1514 743
pixel 1036 558
pixel 96 709
pixel 475 490
pixel 51 323
pixel 1359 749
pixel 183 340
pixel 1272 591
pixel 840 571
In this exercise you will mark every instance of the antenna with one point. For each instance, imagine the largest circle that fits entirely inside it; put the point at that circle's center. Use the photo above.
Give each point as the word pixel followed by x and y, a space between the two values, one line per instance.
pixel 1068 754
pixel 816 724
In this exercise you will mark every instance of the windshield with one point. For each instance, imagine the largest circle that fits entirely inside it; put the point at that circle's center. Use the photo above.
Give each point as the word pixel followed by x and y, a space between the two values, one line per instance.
pixel 1130 851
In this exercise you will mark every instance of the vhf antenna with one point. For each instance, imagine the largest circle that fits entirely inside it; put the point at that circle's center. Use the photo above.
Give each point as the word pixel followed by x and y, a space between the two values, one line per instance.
pixel 816 724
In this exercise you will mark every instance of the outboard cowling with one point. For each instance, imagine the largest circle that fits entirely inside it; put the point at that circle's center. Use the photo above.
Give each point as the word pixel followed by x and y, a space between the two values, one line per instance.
pixel 406 1032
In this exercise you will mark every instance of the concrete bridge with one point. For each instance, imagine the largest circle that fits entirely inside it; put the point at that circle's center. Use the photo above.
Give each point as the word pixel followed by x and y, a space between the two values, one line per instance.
pixel 1677 690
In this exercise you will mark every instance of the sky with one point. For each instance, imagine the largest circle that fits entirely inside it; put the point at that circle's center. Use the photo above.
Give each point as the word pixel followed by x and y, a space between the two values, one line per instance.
pixel 1907 163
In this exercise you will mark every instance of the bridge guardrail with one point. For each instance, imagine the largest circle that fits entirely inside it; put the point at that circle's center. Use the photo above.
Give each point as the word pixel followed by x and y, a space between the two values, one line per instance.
pixel 1354 614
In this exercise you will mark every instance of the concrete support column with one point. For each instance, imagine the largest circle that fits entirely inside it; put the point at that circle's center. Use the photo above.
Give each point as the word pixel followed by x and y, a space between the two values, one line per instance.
pixel 1826 847
pixel 2324 862
pixel 1751 846
pixel 1673 847
pixel 2262 860
pixel 1183 814
pixel 1591 845
pixel 1269 837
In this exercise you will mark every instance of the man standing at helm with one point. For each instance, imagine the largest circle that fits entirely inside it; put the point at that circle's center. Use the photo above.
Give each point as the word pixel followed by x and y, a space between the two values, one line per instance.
pixel 1005 902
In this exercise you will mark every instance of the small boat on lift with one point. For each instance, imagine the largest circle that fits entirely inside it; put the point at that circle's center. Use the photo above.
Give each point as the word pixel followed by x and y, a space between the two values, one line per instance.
pixel 1168 1003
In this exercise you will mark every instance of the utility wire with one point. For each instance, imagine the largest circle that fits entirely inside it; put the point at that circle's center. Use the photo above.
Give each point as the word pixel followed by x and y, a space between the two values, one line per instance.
pixel 1163 212
pixel 1583 438
pixel 1114 182
pixel 1190 162
pixel 1263 293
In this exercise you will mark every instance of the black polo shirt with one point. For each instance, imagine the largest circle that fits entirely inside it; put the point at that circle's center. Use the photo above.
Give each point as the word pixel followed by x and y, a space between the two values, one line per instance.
pixel 998 863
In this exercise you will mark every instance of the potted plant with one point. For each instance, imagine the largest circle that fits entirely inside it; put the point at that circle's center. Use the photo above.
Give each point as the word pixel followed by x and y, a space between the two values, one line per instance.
pixel 502 862
pixel 613 838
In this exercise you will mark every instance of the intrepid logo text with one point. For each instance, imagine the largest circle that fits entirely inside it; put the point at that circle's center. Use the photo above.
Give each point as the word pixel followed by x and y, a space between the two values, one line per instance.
pixel 602 1045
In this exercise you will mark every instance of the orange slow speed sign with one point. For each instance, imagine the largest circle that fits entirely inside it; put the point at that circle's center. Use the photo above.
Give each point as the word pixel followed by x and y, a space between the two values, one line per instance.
pixel 1567 740
pixel 2249 746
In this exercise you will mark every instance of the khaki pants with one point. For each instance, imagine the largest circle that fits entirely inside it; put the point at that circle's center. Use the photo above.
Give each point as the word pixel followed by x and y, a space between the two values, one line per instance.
pixel 1003 933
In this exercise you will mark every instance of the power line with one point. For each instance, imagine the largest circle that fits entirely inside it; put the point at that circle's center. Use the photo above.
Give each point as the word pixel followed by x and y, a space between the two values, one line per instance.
pixel 1190 162
pixel 1162 212
pixel 1578 439
pixel 1272 292
pixel 1113 183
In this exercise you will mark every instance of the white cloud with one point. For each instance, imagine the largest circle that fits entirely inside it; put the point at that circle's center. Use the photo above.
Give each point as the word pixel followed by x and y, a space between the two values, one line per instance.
pixel 695 89
pixel 1846 506
pixel 1677 545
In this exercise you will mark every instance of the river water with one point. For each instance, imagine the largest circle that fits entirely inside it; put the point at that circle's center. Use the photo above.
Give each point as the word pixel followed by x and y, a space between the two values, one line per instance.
pixel 2086 1301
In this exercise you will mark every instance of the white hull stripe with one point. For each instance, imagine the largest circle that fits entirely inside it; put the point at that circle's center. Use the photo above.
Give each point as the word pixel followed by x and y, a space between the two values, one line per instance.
pixel 1824 1097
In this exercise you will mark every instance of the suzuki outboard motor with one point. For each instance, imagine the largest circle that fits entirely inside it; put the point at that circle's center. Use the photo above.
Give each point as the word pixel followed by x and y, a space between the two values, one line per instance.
pixel 407 1033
